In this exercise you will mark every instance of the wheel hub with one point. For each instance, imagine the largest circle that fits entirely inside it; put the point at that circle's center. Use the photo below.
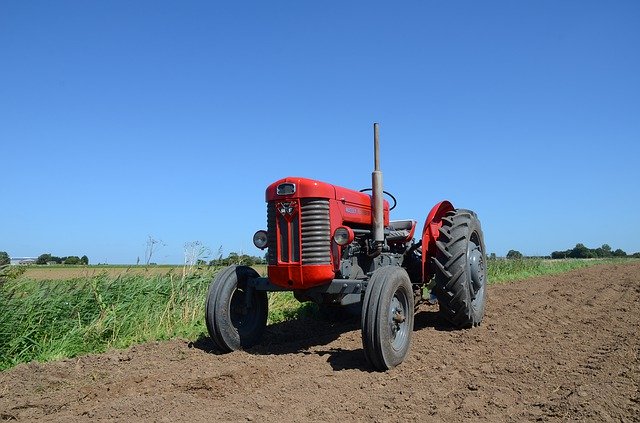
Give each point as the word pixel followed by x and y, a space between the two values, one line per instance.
pixel 398 316
pixel 476 264
pixel 398 321
pixel 241 312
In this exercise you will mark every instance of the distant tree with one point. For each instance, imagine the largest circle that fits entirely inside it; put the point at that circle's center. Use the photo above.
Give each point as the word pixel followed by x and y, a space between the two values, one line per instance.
pixel 43 258
pixel 4 258
pixel 579 251
pixel 636 255
pixel 559 254
pixel 84 260
pixel 239 259
pixel 232 258
pixel 582 252
pixel 619 253
pixel 514 255
pixel 492 256
pixel 604 251
pixel 71 260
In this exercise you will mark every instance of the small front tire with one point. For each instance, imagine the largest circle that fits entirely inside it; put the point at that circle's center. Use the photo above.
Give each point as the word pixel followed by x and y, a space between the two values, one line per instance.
pixel 387 317
pixel 235 313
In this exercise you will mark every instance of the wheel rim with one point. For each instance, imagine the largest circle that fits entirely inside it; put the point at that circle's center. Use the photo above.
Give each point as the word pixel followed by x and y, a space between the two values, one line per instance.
pixel 244 314
pixel 477 268
pixel 398 325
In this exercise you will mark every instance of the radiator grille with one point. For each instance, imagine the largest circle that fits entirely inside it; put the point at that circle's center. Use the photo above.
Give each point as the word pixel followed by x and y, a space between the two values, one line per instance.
pixel 313 222
pixel 316 231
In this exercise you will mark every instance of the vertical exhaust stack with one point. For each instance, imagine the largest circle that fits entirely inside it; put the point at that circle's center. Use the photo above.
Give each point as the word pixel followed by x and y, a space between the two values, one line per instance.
pixel 377 193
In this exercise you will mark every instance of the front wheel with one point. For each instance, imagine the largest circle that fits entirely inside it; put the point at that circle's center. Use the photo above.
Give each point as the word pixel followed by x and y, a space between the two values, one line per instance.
pixel 236 315
pixel 387 317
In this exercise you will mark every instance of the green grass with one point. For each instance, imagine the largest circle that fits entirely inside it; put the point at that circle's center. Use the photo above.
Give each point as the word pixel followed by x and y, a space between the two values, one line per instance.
pixel 283 306
pixel 49 320
pixel 501 270
pixel 54 319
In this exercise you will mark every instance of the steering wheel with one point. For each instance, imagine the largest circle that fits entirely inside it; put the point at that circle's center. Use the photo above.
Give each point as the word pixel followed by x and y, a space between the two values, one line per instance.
pixel 395 202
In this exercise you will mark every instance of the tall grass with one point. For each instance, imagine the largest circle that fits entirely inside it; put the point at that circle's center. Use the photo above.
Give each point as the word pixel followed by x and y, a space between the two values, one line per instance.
pixel 49 320
pixel 501 270
pixel 54 319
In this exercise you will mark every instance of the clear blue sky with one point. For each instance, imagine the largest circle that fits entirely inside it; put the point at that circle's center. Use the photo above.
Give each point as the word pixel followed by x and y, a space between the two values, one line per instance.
pixel 120 120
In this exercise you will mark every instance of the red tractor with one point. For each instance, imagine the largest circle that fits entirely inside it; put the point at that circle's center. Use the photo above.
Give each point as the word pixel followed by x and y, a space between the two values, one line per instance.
pixel 338 247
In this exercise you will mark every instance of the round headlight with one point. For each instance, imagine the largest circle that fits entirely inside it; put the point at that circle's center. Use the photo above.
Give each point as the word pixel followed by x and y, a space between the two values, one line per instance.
pixel 260 239
pixel 343 235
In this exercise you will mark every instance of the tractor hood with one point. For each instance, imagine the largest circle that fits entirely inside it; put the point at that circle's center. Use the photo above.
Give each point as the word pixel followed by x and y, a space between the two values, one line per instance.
pixel 293 187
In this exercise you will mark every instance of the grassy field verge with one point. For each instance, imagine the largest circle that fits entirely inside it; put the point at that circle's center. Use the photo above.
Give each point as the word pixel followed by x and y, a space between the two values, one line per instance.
pixel 54 319
pixel 64 318
pixel 501 270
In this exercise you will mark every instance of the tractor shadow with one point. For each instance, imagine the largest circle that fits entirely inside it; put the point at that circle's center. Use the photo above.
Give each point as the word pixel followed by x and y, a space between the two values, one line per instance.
pixel 299 335
pixel 307 336
pixel 303 336
pixel 431 319
pixel 292 336
pixel 341 359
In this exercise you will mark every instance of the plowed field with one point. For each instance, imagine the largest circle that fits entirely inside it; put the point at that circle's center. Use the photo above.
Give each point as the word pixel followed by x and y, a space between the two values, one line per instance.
pixel 560 348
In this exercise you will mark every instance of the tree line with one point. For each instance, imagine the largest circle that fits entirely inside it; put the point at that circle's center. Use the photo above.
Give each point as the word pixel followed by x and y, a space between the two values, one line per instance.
pixel 580 251
pixel 48 258
pixel 235 258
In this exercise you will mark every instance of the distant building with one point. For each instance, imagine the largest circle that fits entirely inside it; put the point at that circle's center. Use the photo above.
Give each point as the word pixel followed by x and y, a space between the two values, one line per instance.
pixel 23 260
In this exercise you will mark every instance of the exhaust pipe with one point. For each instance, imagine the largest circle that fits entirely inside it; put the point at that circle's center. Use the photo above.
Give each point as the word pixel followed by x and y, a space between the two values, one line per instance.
pixel 376 196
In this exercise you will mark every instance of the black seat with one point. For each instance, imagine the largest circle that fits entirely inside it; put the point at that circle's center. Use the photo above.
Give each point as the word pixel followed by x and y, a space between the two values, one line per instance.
pixel 401 231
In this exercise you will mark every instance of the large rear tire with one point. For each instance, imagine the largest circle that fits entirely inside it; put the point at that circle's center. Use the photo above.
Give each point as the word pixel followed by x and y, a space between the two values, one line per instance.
pixel 236 315
pixel 387 317
pixel 460 269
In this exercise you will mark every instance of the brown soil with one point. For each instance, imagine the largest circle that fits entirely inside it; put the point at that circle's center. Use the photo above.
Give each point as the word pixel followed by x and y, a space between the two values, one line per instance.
pixel 70 272
pixel 561 348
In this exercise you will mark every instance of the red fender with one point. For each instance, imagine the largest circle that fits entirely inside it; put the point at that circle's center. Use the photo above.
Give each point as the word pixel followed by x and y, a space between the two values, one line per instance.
pixel 430 234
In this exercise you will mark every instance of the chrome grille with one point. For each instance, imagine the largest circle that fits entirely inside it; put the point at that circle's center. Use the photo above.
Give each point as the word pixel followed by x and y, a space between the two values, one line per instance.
pixel 316 231
pixel 313 221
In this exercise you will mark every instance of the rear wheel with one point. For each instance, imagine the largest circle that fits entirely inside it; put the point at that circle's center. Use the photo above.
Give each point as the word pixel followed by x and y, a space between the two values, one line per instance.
pixel 387 317
pixel 236 315
pixel 461 273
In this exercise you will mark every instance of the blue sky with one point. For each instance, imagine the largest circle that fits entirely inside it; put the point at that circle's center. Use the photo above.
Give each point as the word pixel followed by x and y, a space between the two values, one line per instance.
pixel 122 120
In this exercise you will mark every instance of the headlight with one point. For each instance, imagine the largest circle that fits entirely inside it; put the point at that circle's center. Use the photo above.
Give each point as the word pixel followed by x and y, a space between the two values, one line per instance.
pixel 343 235
pixel 260 239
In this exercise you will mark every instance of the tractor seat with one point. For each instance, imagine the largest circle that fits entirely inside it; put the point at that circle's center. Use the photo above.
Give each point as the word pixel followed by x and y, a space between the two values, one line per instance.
pixel 401 231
